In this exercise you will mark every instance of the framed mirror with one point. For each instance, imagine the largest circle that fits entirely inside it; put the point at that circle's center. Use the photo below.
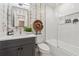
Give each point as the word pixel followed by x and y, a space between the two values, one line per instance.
pixel 20 15
pixel 16 17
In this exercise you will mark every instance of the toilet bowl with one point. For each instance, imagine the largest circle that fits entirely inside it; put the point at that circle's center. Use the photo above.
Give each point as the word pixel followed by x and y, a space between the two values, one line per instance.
pixel 43 48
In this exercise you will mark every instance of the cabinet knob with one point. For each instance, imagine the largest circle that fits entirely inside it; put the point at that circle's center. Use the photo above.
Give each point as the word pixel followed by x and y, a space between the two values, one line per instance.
pixel 21 48
pixel 18 48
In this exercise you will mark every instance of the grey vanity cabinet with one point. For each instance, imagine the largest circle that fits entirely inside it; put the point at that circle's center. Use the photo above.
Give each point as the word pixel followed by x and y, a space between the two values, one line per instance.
pixel 9 51
pixel 28 50
pixel 18 47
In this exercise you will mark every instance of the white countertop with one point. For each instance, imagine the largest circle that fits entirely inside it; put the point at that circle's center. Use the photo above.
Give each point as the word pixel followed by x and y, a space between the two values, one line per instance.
pixel 13 37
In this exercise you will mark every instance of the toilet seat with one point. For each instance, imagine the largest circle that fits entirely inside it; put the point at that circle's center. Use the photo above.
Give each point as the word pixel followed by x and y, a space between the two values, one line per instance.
pixel 43 46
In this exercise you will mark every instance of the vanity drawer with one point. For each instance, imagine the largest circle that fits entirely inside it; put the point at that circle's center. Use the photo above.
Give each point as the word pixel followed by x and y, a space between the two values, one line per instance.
pixel 16 42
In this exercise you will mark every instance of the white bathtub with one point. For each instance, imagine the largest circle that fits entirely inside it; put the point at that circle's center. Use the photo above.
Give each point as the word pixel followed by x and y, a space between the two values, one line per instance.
pixel 64 49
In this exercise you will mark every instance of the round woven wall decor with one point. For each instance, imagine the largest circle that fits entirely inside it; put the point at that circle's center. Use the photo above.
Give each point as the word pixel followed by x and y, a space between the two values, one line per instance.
pixel 38 25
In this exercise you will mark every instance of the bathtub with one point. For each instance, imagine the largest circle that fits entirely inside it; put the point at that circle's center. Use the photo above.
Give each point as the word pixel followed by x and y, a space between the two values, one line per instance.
pixel 63 49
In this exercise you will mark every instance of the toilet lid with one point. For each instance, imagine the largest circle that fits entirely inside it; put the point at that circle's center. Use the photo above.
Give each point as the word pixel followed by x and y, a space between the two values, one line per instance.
pixel 43 47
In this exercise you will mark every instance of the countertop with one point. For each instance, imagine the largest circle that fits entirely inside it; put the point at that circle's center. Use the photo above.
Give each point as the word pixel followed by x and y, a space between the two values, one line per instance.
pixel 13 37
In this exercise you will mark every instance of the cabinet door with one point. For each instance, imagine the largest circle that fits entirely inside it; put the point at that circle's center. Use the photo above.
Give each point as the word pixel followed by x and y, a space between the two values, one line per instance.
pixel 9 52
pixel 28 50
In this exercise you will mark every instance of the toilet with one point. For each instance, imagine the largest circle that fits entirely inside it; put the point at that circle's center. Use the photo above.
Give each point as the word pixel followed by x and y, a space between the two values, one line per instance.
pixel 43 48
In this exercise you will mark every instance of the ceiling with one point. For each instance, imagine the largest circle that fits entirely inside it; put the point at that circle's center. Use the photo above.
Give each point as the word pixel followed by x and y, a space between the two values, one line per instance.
pixel 54 5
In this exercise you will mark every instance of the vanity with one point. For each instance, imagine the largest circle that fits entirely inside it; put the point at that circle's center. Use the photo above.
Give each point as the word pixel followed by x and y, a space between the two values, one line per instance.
pixel 23 45
pixel 12 40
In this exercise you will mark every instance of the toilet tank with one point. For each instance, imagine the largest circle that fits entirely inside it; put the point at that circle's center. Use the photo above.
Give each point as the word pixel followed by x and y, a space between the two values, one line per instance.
pixel 40 39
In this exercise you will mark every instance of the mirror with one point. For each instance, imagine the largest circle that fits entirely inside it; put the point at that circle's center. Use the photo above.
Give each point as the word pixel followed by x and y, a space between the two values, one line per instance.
pixel 20 15
pixel 17 17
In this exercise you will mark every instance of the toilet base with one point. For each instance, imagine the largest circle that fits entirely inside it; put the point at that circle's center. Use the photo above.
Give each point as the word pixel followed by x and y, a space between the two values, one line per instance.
pixel 40 52
pixel 45 54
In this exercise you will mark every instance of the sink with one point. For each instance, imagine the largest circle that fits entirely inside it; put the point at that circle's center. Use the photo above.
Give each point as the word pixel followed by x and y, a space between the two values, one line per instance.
pixel 12 37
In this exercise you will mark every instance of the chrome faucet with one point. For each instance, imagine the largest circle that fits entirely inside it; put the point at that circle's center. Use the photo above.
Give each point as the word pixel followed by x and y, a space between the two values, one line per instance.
pixel 10 31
